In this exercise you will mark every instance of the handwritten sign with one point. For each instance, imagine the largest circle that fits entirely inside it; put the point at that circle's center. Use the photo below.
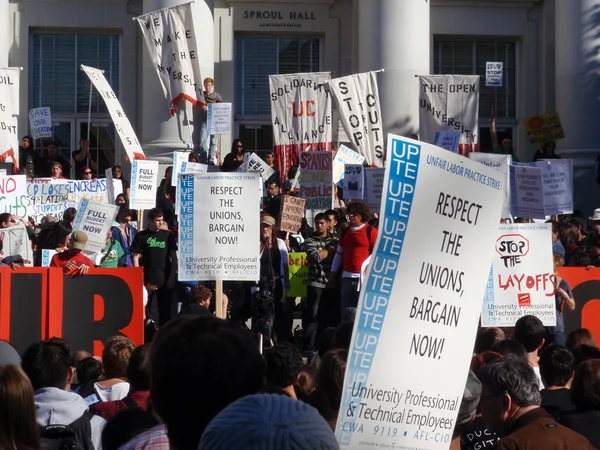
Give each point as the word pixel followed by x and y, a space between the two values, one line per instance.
pixel 95 190
pixel 40 123
pixel 298 265
pixel 13 194
pixel 522 277
pixel 47 199
pixel 315 179
pixel 292 212
pixel 219 118
pixel 544 128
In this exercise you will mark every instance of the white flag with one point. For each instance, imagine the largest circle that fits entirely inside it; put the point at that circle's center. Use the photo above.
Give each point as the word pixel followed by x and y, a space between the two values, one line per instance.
pixel 9 110
pixel 171 41
pixel 357 98
pixel 450 102
pixel 122 125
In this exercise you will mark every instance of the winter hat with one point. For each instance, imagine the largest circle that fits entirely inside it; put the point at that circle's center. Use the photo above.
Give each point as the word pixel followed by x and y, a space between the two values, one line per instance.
pixel 8 355
pixel 268 422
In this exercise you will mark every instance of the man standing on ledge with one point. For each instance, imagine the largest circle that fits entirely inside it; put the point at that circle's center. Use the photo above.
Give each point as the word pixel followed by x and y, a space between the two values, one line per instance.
pixel 208 144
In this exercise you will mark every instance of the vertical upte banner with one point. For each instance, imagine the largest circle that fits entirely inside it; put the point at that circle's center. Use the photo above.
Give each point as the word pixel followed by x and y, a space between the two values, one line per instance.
pixel 171 42
pixel 522 276
pixel 117 114
pixel 301 116
pixel 9 110
pixel 353 182
pixel 219 118
pixel 450 102
pixel 315 180
pixel 95 219
pixel 526 192
pixel 144 176
pixel 421 300
pixel 357 98
pixel 40 123
pixel 502 164
pixel 219 227
pixel 373 187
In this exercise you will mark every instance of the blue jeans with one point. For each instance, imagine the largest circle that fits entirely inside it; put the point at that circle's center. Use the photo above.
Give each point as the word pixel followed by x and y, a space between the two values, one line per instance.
pixel 208 145
pixel 349 293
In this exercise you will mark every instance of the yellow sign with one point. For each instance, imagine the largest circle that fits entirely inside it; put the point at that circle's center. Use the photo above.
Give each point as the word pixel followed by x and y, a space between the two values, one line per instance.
pixel 544 128
pixel 298 264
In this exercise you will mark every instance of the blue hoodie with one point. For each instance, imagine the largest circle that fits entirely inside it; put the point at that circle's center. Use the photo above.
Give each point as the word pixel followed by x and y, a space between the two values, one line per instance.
pixel 58 407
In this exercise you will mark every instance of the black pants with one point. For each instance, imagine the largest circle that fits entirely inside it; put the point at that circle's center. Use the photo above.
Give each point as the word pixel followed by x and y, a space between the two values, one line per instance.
pixel 310 313
pixel 160 305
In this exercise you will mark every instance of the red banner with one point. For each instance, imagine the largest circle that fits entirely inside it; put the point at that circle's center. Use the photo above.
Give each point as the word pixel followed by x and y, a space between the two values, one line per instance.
pixel 586 292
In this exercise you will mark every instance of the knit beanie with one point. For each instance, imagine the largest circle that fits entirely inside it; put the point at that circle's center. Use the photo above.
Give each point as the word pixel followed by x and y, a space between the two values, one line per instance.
pixel 268 422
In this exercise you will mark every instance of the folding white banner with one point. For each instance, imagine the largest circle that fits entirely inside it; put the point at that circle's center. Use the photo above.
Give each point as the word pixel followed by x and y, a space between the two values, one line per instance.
pixel 122 125
pixel 357 98
pixel 171 42
pixel 9 110
pixel 144 176
pixel 421 300
pixel 450 102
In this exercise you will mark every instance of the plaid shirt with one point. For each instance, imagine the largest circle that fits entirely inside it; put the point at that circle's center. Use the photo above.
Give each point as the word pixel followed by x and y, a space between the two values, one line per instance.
pixel 153 439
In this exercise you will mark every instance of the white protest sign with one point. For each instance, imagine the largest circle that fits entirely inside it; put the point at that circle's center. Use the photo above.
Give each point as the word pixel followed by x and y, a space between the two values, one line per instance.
pixel 315 180
pixel 9 110
pixel 13 195
pixel 47 257
pixel 15 245
pixel 421 301
pixel 448 140
pixel 144 176
pixel 522 276
pixel 493 74
pixel 178 159
pixel 47 198
pixel 343 156
pixel 254 163
pixel 502 164
pixel 219 118
pixel 192 167
pixel 557 176
pixel 526 192
pixel 95 190
pixel 373 187
pixel 117 114
pixel 219 226
pixel 94 219
pixel 114 186
pixel 353 181
pixel 40 123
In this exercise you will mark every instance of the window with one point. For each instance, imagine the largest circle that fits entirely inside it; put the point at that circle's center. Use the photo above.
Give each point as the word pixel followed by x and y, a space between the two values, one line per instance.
pixel 258 57
pixel 468 57
pixel 56 80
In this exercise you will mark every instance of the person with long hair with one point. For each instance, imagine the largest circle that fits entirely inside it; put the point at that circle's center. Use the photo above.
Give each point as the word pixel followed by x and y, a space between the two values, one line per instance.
pixel 18 426
pixel 235 158
pixel 117 174
pixel 330 384
pixel 52 238
pixel 124 234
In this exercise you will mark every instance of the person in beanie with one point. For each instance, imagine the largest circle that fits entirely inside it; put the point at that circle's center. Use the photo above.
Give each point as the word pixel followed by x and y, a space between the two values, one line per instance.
pixel 72 260
pixel 268 422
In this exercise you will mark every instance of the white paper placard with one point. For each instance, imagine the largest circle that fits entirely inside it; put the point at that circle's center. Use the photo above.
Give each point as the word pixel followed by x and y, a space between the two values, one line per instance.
pixel 493 74
pixel 527 192
pixel 219 118
pixel 448 140
pixel 94 219
pixel 144 176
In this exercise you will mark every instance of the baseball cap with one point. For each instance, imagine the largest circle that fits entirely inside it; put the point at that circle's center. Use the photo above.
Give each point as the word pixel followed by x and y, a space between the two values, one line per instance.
pixel 78 240
pixel 578 221
pixel 267 220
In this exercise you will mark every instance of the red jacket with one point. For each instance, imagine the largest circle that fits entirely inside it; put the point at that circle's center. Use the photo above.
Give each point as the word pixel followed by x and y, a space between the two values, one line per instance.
pixel 108 409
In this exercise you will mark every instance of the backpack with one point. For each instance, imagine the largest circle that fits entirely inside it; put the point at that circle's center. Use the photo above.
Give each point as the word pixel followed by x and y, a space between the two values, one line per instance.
pixel 76 436
pixel 369 231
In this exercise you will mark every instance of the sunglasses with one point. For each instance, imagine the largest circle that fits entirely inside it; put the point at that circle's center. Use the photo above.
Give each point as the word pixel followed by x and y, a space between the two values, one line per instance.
pixel 87 173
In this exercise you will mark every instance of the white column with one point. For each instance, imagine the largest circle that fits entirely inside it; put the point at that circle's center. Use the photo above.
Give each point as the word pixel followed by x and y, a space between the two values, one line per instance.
pixel 578 93
pixel 394 35
pixel 5 32
pixel 162 133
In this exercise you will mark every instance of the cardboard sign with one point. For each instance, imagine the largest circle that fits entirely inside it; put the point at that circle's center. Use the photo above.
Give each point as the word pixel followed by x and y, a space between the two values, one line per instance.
pixel 144 176
pixel 298 265
pixel 502 164
pixel 315 180
pixel 47 199
pixel 373 187
pixel 292 213
pixel 13 195
pixel 527 192
pixel 219 118
pixel 493 74
pixel 543 128
pixel 421 300
pixel 219 226
pixel 353 181
pixel 40 123
pixel 521 281
pixel 448 140
pixel 15 245
pixel 344 156
pixel 95 219
pixel 39 303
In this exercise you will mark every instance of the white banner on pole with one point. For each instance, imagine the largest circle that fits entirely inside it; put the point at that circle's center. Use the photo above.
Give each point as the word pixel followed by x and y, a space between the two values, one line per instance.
pixel 450 102
pixel 526 192
pixel 94 219
pixel 502 164
pixel 144 178
pixel 9 111
pixel 493 74
pixel 522 276
pixel 219 226
pixel 117 114
pixel 40 123
pixel 353 182
pixel 421 300
pixel 343 156
pixel 448 140
pixel 357 98
pixel 301 115
pixel 219 118
pixel 373 187
pixel 171 42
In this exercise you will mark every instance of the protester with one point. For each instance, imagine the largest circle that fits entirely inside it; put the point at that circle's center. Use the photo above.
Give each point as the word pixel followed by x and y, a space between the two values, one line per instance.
pixel 580 336
pixel 200 302
pixel 29 158
pixel 121 200
pixel 165 183
pixel 52 155
pixel 235 158
pixel 530 332
pixel 563 296
pixel 467 411
pixel 272 202
pixel 155 249
pixel 283 366
pixel 111 253
pixel 506 147
pixel 124 233
pixel 306 383
pixel 117 174
pixel 52 238
pixel 208 142
pixel 72 260
pixel 48 366
pixel 83 159
pixel 557 246
pixel 18 427
pixel 115 358
pixel 557 367
pixel 486 338
pixel 69 215
pixel 86 173
pixel 509 348
pixel 56 171
pixel 547 151
pixel 87 372
pixel 327 397
pixel 276 176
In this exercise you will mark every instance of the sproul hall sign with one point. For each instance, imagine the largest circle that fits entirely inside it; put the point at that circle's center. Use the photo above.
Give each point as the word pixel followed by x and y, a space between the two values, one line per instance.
pixel 270 17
